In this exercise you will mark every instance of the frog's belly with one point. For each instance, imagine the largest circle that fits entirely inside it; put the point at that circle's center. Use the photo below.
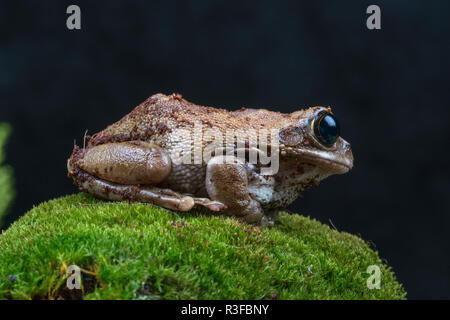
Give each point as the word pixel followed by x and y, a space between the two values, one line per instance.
pixel 269 191
pixel 280 191
pixel 271 195
pixel 187 178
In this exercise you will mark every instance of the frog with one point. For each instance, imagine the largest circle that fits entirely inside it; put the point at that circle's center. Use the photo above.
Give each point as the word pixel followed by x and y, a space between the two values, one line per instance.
pixel 138 158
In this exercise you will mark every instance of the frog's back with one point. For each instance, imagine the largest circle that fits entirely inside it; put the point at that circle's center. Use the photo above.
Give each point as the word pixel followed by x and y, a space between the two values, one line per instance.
pixel 158 116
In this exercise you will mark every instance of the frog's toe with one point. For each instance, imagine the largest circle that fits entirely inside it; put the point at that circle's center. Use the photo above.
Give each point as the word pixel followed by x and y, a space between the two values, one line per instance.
pixel 253 213
pixel 266 222
pixel 183 204
pixel 210 204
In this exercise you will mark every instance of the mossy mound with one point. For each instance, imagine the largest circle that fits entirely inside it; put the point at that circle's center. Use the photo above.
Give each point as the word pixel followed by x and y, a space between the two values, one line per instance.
pixel 139 251
pixel 6 174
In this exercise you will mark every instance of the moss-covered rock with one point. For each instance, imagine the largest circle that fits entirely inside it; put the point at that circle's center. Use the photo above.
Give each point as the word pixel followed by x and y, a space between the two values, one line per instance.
pixel 139 251
pixel 6 175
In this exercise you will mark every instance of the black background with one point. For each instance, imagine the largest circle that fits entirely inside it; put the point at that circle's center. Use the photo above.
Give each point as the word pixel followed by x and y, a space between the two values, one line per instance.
pixel 389 89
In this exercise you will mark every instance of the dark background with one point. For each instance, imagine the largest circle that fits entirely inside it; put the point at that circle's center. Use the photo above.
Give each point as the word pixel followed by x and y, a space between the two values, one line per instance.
pixel 389 89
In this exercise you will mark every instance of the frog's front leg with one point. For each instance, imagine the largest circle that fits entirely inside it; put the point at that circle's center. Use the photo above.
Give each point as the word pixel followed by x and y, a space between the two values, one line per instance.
pixel 227 182
pixel 130 171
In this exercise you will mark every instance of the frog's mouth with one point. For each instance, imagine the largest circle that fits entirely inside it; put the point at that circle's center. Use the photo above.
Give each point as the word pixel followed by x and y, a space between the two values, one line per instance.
pixel 334 162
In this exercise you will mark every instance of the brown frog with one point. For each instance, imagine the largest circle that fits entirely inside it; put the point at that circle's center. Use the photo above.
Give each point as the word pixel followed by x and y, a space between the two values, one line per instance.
pixel 178 155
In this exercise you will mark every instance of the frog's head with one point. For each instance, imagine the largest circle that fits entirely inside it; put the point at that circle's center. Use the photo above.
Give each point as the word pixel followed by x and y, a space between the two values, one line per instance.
pixel 312 136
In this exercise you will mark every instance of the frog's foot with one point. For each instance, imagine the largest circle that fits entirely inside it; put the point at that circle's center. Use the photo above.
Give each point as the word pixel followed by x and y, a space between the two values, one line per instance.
pixel 227 182
pixel 270 217
pixel 128 171
pixel 165 198
pixel 204 202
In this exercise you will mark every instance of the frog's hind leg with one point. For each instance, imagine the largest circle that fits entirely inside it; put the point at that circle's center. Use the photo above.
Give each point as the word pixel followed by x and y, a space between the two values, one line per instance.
pixel 129 171
pixel 165 198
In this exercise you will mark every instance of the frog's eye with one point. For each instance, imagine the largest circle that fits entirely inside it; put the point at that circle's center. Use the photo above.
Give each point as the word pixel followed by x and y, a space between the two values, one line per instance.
pixel 326 128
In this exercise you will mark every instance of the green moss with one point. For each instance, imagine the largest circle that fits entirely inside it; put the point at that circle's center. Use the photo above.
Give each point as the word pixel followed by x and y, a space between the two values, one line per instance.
pixel 6 174
pixel 139 251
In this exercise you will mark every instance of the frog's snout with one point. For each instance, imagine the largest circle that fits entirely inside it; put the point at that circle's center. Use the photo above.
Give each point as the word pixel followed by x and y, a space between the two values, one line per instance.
pixel 347 153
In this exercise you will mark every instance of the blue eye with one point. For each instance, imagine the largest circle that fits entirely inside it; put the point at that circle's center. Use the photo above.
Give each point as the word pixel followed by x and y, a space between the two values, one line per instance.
pixel 326 128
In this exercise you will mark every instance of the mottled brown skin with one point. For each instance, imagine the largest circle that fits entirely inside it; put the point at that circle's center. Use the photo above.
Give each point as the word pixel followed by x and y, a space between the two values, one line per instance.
pixel 131 160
